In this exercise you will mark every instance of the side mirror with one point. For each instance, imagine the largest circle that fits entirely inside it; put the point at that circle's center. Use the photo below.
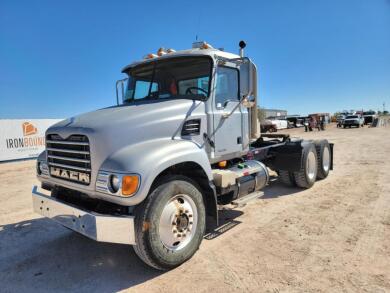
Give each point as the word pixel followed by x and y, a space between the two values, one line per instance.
pixel 120 90
pixel 245 78
pixel 248 101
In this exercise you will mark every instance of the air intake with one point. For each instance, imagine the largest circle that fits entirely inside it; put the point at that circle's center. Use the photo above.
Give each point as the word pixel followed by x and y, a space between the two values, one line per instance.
pixel 191 127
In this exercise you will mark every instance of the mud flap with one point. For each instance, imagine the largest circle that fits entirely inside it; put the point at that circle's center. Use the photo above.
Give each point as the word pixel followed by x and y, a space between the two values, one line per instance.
pixel 287 157
pixel 331 155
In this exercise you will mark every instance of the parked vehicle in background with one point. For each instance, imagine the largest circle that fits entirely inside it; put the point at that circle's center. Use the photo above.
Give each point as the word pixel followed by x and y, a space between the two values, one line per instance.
pixel 268 126
pixel 182 140
pixel 313 123
pixel 353 120
pixel 369 117
pixel 279 122
pixel 306 122
pixel 319 120
pixel 295 120
pixel 340 120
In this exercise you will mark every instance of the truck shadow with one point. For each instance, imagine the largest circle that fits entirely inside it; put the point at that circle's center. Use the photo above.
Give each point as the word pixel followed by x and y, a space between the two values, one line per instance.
pixel 227 221
pixel 41 256
pixel 277 189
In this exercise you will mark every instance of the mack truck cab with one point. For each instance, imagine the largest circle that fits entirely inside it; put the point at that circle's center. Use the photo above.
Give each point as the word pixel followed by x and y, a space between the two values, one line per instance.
pixel 182 140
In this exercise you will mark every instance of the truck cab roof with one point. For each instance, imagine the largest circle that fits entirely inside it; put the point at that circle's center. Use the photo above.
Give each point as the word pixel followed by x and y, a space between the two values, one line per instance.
pixel 212 52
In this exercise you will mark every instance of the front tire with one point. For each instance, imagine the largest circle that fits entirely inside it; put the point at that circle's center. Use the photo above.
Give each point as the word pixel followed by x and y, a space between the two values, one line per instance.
pixel 170 223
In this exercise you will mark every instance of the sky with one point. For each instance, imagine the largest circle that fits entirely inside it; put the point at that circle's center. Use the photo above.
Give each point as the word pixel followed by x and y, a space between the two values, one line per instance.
pixel 62 58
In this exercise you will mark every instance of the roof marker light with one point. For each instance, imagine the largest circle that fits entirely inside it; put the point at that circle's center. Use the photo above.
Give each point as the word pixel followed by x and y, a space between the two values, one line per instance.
pixel 161 52
pixel 201 45
pixel 150 56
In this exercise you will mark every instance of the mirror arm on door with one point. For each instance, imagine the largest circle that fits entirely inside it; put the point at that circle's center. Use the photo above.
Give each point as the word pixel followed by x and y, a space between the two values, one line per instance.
pixel 227 115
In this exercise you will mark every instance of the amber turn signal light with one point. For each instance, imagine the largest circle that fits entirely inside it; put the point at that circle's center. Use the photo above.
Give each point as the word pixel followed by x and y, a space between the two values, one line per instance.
pixel 222 164
pixel 129 184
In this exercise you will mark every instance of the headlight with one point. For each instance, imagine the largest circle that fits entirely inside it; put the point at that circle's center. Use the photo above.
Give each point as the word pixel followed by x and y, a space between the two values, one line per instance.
pixel 114 183
pixel 125 185
pixel 42 168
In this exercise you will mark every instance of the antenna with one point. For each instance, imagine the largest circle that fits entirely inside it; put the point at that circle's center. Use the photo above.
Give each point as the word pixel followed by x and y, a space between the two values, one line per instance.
pixel 198 24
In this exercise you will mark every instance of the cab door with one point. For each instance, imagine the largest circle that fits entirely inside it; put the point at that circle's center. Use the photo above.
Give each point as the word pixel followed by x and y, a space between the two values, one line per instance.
pixel 227 113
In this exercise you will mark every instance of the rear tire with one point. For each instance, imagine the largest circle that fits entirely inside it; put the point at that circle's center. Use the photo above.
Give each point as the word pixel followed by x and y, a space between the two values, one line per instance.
pixel 170 223
pixel 286 177
pixel 306 176
pixel 323 158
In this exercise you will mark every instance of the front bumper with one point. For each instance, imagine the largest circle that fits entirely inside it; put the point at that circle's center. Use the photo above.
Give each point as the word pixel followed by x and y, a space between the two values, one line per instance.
pixel 99 227
pixel 352 123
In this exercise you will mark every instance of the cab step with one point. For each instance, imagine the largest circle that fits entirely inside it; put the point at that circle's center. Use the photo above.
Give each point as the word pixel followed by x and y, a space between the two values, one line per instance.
pixel 247 198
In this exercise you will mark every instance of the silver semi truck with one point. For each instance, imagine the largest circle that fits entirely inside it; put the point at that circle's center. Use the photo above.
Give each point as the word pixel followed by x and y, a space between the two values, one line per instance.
pixel 182 140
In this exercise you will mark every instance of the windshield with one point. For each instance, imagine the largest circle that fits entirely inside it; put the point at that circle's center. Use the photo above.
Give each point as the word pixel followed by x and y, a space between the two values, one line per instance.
pixel 352 116
pixel 177 78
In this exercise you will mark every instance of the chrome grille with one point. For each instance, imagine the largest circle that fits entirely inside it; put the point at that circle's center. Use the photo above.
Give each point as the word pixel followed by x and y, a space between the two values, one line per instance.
pixel 71 154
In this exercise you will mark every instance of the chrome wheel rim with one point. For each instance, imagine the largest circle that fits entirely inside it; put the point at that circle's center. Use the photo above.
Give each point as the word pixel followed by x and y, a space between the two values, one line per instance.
pixel 326 159
pixel 178 222
pixel 311 165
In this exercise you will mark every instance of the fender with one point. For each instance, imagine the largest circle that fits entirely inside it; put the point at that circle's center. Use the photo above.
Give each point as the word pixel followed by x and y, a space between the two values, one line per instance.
pixel 150 158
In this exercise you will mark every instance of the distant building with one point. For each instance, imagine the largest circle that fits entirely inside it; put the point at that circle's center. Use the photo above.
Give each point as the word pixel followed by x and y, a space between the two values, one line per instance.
pixel 275 113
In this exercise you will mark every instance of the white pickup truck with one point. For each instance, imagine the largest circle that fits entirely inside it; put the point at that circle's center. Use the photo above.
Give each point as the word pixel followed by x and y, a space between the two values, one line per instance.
pixel 279 123
pixel 353 120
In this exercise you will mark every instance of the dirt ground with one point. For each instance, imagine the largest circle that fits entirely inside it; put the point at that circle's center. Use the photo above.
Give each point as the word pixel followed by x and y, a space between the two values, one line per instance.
pixel 334 237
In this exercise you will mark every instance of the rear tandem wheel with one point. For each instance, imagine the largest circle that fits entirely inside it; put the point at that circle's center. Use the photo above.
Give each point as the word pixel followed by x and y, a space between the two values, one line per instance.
pixel 306 176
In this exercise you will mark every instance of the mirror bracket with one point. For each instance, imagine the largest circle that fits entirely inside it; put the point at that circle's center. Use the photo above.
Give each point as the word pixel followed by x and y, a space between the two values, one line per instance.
pixel 244 98
pixel 248 101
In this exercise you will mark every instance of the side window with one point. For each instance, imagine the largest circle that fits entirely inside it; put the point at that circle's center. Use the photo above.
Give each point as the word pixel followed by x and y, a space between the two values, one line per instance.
pixel 226 86
pixel 142 89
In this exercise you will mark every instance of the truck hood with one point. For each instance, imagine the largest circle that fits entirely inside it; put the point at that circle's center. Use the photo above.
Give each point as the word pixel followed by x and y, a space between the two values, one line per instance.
pixel 127 123
pixel 111 129
pixel 128 117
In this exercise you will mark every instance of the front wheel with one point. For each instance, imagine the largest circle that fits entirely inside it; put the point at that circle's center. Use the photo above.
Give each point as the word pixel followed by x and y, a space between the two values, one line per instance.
pixel 170 223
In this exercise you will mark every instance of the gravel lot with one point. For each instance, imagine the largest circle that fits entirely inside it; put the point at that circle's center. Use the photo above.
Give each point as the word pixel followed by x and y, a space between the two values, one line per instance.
pixel 334 237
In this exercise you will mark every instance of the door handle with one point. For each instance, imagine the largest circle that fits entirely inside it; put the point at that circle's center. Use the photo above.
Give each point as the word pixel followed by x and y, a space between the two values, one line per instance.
pixel 226 114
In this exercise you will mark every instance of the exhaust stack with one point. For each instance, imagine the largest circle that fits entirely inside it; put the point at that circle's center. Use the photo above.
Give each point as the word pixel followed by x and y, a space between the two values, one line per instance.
pixel 242 45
